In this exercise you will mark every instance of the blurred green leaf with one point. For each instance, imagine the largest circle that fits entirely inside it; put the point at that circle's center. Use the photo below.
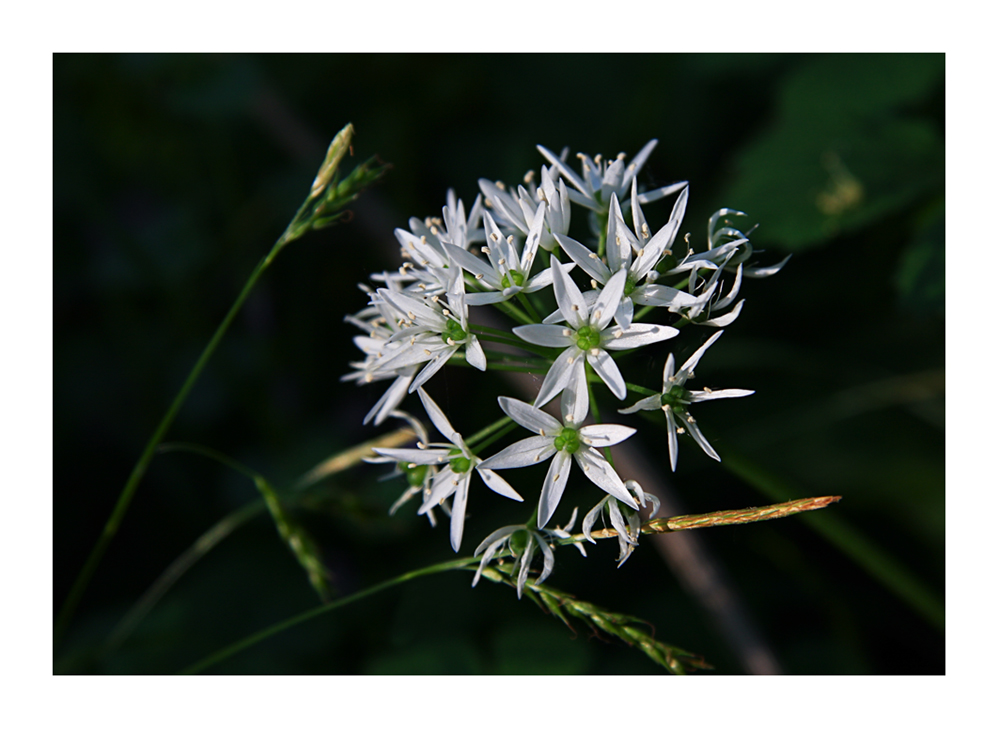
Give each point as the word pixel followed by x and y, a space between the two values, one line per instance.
pixel 842 151
pixel 920 276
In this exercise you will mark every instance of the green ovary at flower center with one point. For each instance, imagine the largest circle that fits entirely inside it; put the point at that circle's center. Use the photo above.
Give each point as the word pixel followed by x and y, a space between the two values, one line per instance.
pixel 518 541
pixel 629 286
pixel 459 464
pixel 453 331
pixel 415 474
pixel 512 278
pixel 675 398
pixel 567 440
pixel 587 338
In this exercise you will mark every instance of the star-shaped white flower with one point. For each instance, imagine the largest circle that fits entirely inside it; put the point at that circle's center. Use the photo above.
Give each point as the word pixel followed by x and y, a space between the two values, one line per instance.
pixel 628 525
pixel 637 253
pixel 601 179
pixel 586 334
pixel 566 441
pixel 505 271
pixel 675 399
pixel 453 478
pixel 526 540
pixel 432 332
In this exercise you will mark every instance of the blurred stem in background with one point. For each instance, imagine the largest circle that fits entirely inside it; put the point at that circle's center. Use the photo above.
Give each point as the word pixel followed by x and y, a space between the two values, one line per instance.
pixel 323 207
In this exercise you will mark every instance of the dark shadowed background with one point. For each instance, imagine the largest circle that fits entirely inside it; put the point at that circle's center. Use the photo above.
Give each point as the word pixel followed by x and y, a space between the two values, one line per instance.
pixel 174 174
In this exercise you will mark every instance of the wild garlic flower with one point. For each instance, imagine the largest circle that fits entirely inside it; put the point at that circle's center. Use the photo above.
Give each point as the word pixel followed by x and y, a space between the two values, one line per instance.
pixel 675 399
pixel 454 478
pixel 503 252
pixel 430 331
pixel 627 525
pixel 586 335
pixel 419 477
pixel 601 179
pixel 378 321
pixel 505 271
pixel 638 254
pixel 566 441
pixel 521 541
pixel 516 211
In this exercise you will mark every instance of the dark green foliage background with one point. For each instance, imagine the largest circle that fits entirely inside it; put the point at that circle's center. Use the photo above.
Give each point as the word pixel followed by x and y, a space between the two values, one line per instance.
pixel 174 175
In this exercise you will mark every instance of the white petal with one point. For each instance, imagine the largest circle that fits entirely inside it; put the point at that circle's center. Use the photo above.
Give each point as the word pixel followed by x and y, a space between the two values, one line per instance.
pixel 408 305
pixel 576 398
pixel 733 292
pixel 474 354
pixel 652 402
pixel 618 238
pixel 495 539
pixel 767 271
pixel 535 420
pixel 608 301
pixel 444 485
pixel 591 517
pixel 458 509
pixel 568 173
pixel 474 265
pixel 498 484
pixel 637 335
pixel 599 471
pixel 617 521
pixel 525 452
pixel 430 370
pixel 482 298
pixel 438 418
pixel 584 258
pixel 554 485
pixel 547 335
pixel 570 299
pixel 533 239
pixel 653 195
pixel 704 395
pixel 421 456
pixel 658 295
pixel 691 363
pixel 635 166
pixel 701 440
pixel 606 368
pixel 601 436
pixel 559 373
pixel 625 312
pixel 549 558
pixel 390 400
pixel 525 565
pixel 724 321
pixel 671 437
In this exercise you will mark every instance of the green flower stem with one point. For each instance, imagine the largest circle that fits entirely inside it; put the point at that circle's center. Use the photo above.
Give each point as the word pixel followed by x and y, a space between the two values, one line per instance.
pixel 458 359
pixel 555 601
pixel 252 640
pixel 488 430
pixel 638 389
pixel 125 498
pixel 502 432
pixel 531 311
pixel 641 313
pixel 337 463
pixel 513 342
pixel 511 310
pixel 602 241
pixel 322 200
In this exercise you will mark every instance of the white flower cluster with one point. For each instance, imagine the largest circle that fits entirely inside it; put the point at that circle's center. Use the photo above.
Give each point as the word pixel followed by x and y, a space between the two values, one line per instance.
pixel 513 252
